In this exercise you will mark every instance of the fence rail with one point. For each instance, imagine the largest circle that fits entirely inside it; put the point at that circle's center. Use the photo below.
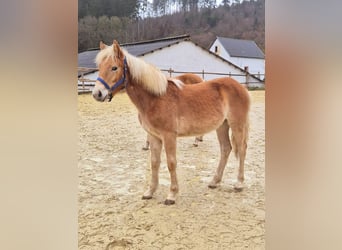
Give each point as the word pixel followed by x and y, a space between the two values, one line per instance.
pixel 203 73
pixel 85 85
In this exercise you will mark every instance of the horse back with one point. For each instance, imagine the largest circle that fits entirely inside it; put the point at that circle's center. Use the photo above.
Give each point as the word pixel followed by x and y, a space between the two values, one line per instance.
pixel 189 78
pixel 213 99
pixel 214 91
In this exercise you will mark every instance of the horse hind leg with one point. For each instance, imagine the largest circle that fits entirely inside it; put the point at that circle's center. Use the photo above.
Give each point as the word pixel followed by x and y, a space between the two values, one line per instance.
pixel 156 147
pixel 225 149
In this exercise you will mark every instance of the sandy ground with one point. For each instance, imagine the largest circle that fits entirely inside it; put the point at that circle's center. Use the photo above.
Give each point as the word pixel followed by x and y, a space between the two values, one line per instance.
pixel 114 173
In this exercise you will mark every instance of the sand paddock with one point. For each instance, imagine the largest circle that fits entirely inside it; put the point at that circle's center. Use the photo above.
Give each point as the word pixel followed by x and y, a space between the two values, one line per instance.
pixel 114 172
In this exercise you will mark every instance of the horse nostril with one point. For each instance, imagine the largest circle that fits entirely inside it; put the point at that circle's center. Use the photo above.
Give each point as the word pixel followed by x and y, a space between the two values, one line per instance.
pixel 99 94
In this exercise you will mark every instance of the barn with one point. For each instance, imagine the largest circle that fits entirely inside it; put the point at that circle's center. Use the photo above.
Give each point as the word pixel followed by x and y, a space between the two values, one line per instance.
pixel 243 53
pixel 174 56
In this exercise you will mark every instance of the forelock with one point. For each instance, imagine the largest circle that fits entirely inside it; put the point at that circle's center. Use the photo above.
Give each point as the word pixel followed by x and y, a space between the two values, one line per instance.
pixel 103 54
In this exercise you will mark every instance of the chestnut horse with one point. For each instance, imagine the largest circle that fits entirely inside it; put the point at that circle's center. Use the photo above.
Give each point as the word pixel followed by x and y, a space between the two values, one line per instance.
pixel 168 109
pixel 186 78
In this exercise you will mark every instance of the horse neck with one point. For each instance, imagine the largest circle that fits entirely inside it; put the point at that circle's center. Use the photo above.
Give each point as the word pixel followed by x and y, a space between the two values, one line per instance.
pixel 144 83
pixel 138 95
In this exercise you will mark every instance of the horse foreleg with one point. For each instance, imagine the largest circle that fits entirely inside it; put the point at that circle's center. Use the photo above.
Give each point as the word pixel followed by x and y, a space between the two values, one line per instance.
pixel 170 150
pixel 156 147
pixel 225 148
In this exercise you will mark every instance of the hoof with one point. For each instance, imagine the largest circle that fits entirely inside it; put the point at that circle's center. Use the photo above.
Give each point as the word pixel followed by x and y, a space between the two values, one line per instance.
pixel 238 187
pixel 145 148
pixel 149 197
pixel 195 145
pixel 212 186
pixel 169 202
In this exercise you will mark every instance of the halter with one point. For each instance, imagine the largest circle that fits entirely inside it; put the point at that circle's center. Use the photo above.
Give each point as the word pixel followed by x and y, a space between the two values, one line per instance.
pixel 118 83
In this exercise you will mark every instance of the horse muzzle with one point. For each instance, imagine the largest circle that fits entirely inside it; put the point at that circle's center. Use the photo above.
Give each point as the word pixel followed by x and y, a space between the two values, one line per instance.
pixel 101 94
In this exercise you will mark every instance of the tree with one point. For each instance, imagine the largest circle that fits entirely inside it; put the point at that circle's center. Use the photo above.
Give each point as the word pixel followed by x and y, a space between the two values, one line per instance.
pixel 97 8
pixel 245 21
pixel 225 3
pixel 87 32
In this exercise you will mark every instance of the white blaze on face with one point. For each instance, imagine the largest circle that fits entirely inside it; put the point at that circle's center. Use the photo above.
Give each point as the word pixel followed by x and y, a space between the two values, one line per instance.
pixel 100 93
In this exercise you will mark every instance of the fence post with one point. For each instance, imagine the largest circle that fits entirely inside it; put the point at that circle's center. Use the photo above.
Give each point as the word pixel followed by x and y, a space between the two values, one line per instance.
pixel 247 75
pixel 82 75
pixel 203 74
pixel 170 72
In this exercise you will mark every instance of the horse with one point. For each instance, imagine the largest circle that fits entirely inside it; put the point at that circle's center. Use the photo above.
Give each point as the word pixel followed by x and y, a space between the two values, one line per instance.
pixel 186 78
pixel 169 109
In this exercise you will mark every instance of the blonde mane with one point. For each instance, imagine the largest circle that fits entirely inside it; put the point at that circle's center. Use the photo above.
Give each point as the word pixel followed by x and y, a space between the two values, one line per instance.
pixel 151 78
pixel 104 54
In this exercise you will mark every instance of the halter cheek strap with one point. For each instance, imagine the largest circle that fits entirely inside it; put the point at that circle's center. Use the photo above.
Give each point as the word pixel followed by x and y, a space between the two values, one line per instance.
pixel 118 83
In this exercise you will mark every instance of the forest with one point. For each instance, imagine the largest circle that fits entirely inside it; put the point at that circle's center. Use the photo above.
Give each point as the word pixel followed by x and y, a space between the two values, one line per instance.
pixel 139 20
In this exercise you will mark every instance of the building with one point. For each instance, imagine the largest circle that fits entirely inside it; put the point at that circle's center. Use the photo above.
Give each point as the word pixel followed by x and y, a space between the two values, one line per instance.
pixel 174 56
pixel 243 53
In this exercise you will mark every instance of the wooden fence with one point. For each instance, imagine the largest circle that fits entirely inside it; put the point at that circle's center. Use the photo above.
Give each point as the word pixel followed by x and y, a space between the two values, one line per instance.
pixel 86 85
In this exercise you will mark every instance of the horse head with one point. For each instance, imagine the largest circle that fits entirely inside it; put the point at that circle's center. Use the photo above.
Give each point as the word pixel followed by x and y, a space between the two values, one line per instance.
pixel 112 76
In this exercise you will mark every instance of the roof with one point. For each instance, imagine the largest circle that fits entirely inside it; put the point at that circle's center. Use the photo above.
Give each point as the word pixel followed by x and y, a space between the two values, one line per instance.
pixel 86 58
pixel 241 48
pixel 142 48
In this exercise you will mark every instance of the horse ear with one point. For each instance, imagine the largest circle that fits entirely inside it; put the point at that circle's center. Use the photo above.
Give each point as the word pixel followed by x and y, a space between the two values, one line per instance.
pixel 117 50
pixel 102 45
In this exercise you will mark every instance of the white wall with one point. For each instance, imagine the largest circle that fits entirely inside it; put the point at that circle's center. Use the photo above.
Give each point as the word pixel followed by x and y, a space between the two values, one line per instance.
pixel 188 57
pixel 220 50
pixel 255 65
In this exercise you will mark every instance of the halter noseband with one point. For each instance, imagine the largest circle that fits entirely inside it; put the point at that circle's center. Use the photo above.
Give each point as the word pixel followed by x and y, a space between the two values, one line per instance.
pixel 118 83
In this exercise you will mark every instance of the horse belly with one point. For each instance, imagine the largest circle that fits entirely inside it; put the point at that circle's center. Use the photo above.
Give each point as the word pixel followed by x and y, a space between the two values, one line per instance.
pixel 158 125
pixel 194 127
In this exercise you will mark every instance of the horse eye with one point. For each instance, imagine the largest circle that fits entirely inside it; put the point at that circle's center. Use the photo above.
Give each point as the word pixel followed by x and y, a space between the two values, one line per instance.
pixel 114 68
